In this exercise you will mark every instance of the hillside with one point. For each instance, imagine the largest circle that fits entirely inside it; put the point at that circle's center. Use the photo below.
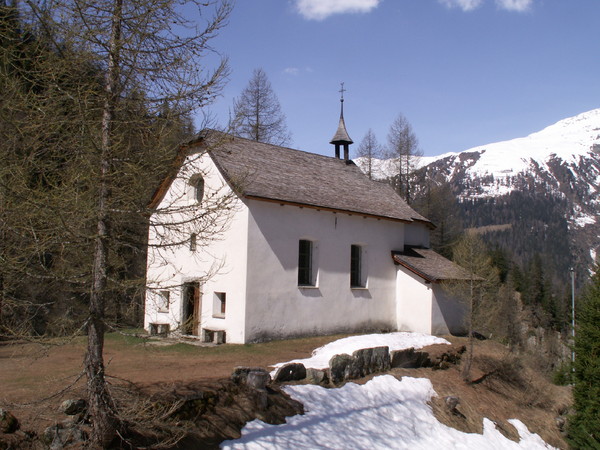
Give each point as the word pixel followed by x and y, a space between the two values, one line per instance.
pixel 175 390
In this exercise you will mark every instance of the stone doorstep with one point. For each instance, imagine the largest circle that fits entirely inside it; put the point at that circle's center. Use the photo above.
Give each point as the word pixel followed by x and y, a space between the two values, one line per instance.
pixel 218 336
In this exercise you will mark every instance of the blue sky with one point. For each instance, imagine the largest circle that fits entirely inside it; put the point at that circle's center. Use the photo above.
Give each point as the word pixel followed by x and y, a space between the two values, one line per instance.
pixel 463 72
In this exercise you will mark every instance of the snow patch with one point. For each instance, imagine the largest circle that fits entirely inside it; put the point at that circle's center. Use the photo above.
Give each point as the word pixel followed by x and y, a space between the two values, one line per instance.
pixel 581 219
pixel 395 341
pixel 385 413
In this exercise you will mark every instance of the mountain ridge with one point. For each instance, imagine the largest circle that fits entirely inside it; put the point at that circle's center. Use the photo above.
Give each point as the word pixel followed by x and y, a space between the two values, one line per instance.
pixel 557 168
pixel 546 185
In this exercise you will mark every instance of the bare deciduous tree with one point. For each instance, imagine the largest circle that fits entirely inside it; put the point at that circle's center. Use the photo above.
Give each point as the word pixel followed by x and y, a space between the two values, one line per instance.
pixel 369 151
pixel 404 152
pixel 257 113
pixel 135 56
pixel 478 291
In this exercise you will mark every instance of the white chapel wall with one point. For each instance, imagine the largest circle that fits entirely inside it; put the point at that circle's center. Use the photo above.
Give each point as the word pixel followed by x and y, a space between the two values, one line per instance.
pixel 277 307
pixel 449 313
pixel 417 234
pixel 414 302
pixel 224 259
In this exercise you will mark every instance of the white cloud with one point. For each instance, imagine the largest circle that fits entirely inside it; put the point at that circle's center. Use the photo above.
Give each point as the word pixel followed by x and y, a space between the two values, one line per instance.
pixel 321 9
pixel 470 5
pixel 515 5
pixel 297 70
pixel 465 5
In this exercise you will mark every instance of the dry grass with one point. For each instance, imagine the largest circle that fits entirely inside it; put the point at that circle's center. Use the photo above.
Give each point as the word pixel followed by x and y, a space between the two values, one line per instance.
pixel 489 228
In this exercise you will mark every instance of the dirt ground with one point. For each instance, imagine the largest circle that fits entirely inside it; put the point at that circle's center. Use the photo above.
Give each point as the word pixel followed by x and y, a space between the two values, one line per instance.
pixel 29 371
pixel 35 379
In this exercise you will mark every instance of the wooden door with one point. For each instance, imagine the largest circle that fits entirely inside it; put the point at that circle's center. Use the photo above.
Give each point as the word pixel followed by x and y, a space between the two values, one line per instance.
pixel 192 308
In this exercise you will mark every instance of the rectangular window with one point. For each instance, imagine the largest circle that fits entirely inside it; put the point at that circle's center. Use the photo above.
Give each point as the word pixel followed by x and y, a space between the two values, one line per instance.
pixel 220 300
pixel 193 242
pixel 163 301
pixel 356 275
pixel 305 270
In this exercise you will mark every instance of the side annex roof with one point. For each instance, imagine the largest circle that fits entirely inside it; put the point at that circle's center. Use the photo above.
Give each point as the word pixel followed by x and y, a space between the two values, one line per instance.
pixel 431 266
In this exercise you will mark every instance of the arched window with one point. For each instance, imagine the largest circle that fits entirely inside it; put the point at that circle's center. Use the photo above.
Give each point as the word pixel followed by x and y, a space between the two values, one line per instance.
pixel 197 183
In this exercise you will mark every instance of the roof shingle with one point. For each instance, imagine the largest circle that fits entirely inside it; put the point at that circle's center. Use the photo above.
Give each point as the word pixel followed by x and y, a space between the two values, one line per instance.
pixel 430 265
pixel 275 173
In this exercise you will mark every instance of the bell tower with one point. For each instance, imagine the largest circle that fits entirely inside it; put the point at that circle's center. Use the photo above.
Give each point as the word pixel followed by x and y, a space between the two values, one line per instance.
pixel 341 138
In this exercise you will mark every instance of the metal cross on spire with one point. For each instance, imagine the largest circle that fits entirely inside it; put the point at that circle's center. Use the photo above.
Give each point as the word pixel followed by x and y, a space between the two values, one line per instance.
pixel 342 90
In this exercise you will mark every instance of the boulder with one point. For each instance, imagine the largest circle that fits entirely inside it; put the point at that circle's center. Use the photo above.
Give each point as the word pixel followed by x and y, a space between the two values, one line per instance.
pixel 316 376
pixel 8 422
pixel 258 379
pixel 451 402
pixel 61 435
pixel 240 373
pixel 355 369
pixel 361 363
pixel 380 360
pixel 448 358
pixel 410 359
pixel 338 366
pixel 291 372
pixel 370 360
pixel 73 407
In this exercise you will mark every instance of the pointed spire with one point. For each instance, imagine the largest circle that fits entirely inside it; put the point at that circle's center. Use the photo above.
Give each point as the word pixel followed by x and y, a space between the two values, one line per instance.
pixel 341 135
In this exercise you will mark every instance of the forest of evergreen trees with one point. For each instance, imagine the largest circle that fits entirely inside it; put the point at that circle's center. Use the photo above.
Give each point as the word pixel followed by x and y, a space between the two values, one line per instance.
pixel 527 240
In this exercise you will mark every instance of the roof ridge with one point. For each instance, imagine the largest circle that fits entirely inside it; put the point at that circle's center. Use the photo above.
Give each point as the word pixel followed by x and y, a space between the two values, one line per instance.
pixel 198 137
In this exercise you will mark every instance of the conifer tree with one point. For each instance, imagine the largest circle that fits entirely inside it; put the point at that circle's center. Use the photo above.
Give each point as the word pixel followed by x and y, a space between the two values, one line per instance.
pixel 434 199
pixel 584 425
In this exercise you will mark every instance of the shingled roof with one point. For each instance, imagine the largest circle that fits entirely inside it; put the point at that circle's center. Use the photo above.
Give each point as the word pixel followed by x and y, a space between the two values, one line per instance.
pixel 431 266
pixel 272 173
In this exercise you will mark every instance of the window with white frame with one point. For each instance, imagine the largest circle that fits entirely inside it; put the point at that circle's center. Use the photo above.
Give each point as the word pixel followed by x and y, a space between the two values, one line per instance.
pixel 193 242
pixel 219 304
pixel 163 301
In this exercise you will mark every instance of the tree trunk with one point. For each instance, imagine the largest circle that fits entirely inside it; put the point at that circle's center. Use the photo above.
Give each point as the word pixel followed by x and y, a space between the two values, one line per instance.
pixel 2 263
pixel 1 298
pixel 101 407
pixel 466 372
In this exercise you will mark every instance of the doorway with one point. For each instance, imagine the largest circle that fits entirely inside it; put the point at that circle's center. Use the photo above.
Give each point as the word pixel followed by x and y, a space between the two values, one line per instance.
pixel 192 308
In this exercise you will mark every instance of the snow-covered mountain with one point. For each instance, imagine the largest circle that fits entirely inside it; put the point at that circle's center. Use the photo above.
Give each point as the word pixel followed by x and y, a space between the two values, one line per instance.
pixel 556 168
pixel 564 157
pixel 544 189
